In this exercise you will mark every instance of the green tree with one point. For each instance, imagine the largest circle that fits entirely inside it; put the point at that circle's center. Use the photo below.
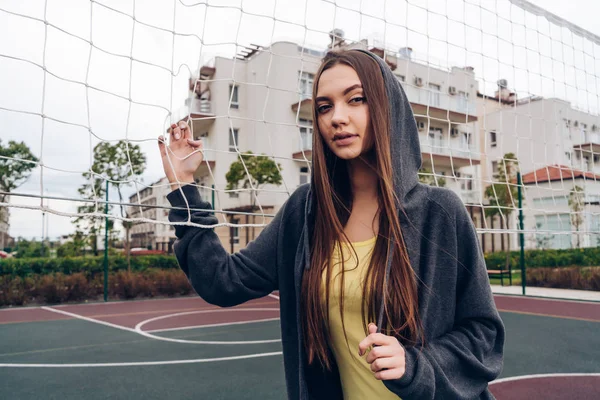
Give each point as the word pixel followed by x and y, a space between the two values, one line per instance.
pixel 16 164
pixel 28 248
pixel 502 195
pixel 576 199
pixel 427 177
pixel 262 170
pixel 92 226
pixel 73 248
pixel 120 164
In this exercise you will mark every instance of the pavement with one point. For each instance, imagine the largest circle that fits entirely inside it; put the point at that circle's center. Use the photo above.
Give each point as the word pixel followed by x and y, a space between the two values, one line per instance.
pixel 568 294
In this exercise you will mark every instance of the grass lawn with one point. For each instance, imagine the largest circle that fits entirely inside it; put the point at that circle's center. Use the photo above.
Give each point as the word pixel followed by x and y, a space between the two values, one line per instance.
pixel 516 279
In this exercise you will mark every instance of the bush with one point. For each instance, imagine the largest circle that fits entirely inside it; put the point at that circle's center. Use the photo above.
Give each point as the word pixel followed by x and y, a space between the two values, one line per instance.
pixel 15 290
pixel 88 265
pixel 58 287
pixel 586 257
pixel 565 278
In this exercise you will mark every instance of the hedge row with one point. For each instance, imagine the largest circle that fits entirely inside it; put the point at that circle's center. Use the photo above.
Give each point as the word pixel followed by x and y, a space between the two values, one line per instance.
pixel 93 265
pixel 565 278
pixel 586 257
pixel 58 288
pixel 24 267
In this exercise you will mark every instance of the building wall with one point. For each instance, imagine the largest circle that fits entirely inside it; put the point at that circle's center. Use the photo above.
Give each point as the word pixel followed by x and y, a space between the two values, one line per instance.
pixel 268 114
pixel 540 132
pixel 547 209
pixel 268 87
pixel 155 233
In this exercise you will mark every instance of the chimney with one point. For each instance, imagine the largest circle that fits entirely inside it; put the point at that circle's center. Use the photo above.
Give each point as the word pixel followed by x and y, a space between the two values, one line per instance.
pixel 405 52
pixel 503 93
pixel 337 37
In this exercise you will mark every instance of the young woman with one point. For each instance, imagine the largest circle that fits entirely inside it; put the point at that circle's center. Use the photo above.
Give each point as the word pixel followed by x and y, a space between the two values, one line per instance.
pixel 383 287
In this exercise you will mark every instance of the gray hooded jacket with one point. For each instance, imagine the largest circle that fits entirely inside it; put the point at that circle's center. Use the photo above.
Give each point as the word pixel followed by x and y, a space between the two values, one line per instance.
pixel 464 335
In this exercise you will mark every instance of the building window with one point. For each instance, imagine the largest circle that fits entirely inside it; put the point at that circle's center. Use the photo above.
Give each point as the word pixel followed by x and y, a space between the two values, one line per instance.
pixel 466 140
pixel 493 139
pixel 235 231
pixel 495 169
pixel 306 85
pixel 568 157
pixel 550 201
pixel 434 94
pixel 555 224
pixel 587 166
pixel 306 134
pixel 584 133
pixel 463 101
pixel 436 139
pixel 234 96
pixel 233 139
pixel 466 182
pixel 304 175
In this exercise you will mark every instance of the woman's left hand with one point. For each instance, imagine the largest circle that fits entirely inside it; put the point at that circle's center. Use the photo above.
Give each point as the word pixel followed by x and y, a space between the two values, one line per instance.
pixel 387 357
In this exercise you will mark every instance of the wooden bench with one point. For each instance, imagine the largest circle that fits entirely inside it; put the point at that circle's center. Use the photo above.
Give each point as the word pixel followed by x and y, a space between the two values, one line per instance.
pixel 501 273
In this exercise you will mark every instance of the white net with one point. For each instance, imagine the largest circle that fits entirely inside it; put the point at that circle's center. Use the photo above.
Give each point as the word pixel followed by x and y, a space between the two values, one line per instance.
pixel 88 86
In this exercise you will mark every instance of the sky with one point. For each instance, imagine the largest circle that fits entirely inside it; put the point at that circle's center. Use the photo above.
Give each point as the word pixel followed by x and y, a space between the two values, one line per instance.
pixel 136 72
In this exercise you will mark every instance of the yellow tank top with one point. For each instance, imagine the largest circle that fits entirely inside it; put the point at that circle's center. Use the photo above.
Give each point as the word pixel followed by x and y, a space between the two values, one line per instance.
pixel 358 381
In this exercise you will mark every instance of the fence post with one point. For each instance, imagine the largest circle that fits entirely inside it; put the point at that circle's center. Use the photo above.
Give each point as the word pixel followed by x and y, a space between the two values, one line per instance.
pixel 106 245
pixel 521 235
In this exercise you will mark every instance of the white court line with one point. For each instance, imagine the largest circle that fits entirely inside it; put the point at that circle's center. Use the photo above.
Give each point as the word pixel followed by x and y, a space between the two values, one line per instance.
pixel 19 308
pixel 100 303
pixel 138 364
pixel 138 327
pixel 97 321
pixel 274 296
pixel 524 377
pixel 211 325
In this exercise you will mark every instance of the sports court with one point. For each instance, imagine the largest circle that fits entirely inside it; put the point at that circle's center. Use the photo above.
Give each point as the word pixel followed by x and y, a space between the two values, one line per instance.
pixel 183 348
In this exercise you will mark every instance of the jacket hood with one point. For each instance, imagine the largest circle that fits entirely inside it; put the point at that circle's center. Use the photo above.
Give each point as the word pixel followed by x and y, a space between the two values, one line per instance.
pixel 404 146
pixel 404 136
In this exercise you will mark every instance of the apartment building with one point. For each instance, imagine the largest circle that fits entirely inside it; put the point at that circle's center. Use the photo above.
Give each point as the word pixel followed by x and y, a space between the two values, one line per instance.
pixel 261 101
pixel 557 148
pixel 558 224
pixel 152 235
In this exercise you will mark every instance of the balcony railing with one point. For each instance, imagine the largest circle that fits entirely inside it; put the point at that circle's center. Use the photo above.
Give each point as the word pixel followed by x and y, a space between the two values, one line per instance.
pixel 306 141
pixel 453 150
pixel 437 99
pixel 198 106
pixel 469 196
pixel 591 198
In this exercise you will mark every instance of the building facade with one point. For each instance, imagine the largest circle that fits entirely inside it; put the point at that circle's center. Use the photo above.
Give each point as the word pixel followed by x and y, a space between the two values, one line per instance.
pixel 261 101
pixel 557 148
pixel 563 208
pixel 154 234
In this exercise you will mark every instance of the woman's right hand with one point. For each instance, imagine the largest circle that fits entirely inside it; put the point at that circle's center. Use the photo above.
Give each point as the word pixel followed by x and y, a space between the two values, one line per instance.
pixel 182 157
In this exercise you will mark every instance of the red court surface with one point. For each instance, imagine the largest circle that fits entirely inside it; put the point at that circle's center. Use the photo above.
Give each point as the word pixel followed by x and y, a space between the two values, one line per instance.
pixel 193 312
pixel 550 387
pixel 557 308
pixel 129 314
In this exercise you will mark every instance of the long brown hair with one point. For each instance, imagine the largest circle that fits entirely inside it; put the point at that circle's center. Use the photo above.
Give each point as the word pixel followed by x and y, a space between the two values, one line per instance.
pixel 333 197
